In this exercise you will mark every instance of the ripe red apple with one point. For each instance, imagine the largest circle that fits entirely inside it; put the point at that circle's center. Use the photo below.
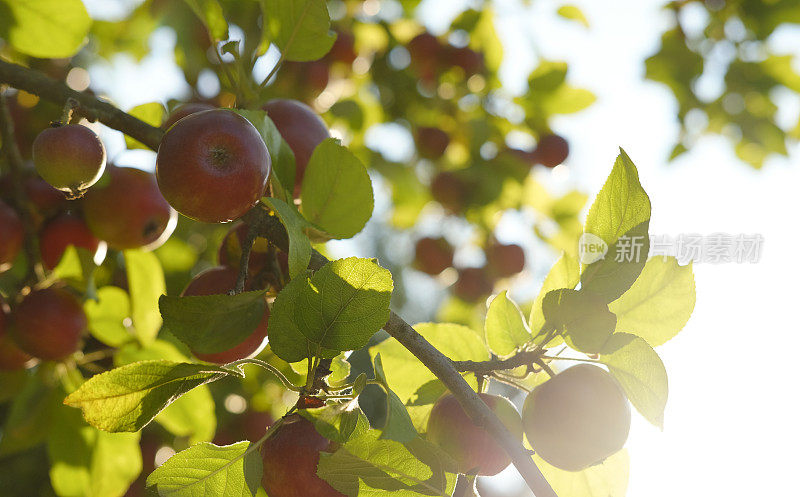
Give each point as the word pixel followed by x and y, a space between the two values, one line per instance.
pixel 70 157
pixel 60 233
pixel 551 150
pixel 11 356
pixel 184 110
pixel 431 142
pixel 49 323
pixel 302 129
pixel 43 196
pixel 230 252
pixel 450 190
pixel 127 210
pixel 433 255
pixel 291 455
pixel 425 52
pixel 213 166
pixel 473 283
pixel 220 280
pixel 343 49
pixel 578 418
pixel 473 449
pixel 12 235
pixel 505 260
pixel 466 58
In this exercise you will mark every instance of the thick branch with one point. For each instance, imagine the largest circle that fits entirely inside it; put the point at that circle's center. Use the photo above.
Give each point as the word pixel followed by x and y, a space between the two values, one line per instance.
pixel 34 82
pixel 272 229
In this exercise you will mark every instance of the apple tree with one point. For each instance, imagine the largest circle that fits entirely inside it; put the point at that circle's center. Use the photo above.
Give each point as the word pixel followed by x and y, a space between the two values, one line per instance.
pixel 184 327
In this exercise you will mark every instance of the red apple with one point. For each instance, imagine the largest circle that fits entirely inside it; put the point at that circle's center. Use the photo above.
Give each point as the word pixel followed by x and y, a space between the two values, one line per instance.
pixel 12 235
pixel 551 150
pixel 505 260
pixel 220 280
pixel 60 233
pixel 127 210
pixel 49 324
pixel 425 51
pixel 431 142
pixel 70 157
pixel 473 449
pixel 11 356
pixel 302 129
pixel 184 110
pixel 343 49
pixel 450 190
pixel 578 418
pixel 466 58
pixel 473 283
pixel 291 455
pixel 433 255
pixel 43 196
pixel 213 166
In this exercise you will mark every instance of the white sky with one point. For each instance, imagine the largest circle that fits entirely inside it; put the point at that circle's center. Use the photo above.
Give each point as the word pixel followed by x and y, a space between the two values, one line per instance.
pixel 731 426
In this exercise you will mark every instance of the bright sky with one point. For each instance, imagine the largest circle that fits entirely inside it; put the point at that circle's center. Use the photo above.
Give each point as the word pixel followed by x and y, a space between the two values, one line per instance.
pixel 731 422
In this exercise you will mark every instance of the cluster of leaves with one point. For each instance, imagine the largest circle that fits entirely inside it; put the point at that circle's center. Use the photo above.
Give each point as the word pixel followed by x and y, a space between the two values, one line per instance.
pixel 732 51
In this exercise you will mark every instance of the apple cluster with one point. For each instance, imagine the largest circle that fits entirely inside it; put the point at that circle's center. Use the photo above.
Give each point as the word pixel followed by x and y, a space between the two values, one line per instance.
pixel 212 166
pixel 573 421
pixel 434 255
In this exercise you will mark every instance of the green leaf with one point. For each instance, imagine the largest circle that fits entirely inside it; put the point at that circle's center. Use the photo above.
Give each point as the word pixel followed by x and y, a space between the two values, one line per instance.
pixel 608 479
pixel 337 191
pixel 153 114
pixel 28 419
pixel 77 268
pixel 209 470
pixel 398 426
pixel 129 397
pixel 565 273
pixel 573 13
pixel 613 275
pixel 457 342
pixel 621 205
pixel 368 466
pixel 192 414
pixel 299 244
pixel 210 12
pixel 641 373
pixel 145 285
pixel 285 338
pixel 505 326
pixel 659 303
pixel 213 323
pixel 344 303
pixel 338 422
pixel 583 318
pixel 107 316
pixel 300 28
pixel 86 462
pixel 283 162
pixel 44 28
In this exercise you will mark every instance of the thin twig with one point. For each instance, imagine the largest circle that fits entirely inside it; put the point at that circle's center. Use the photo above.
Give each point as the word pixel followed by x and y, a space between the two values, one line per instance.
pixel 521 359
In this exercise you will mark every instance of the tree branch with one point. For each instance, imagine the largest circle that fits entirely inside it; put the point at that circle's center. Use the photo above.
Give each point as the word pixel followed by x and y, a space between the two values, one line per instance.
pixel 272 229
pixel 521 359
pixel 34 82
